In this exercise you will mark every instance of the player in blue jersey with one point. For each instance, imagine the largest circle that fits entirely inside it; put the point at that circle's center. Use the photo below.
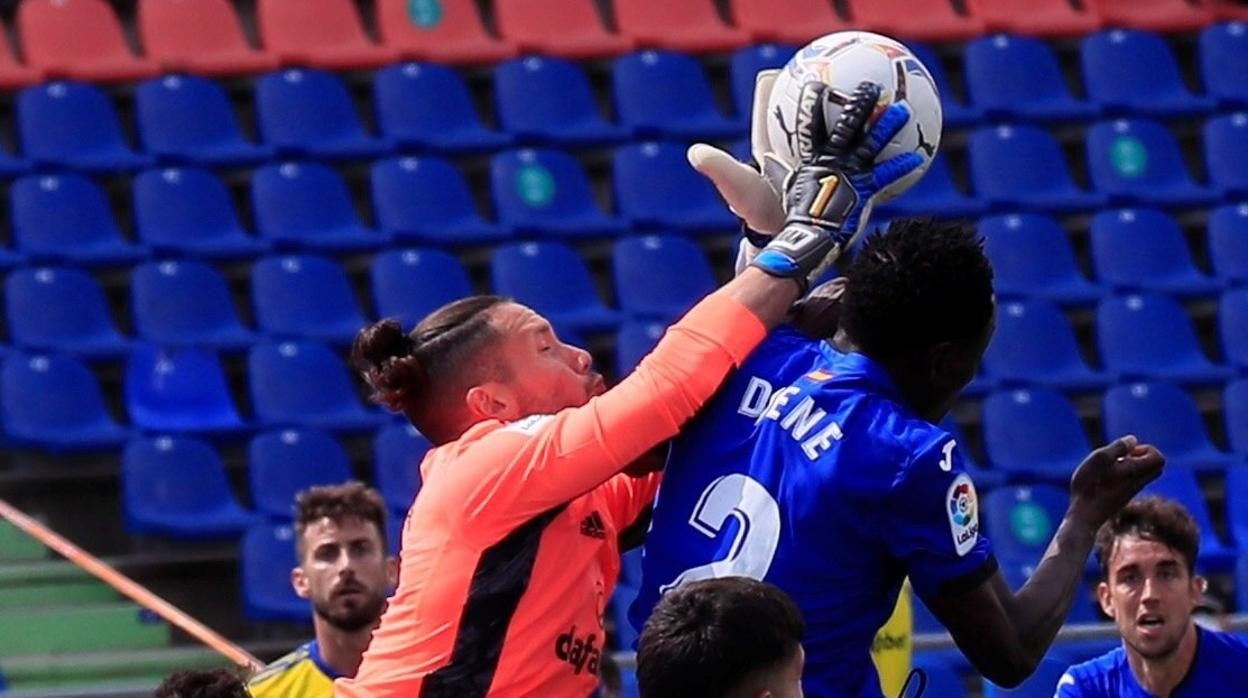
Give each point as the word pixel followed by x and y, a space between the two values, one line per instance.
pixel 1148 555
pixel 818 467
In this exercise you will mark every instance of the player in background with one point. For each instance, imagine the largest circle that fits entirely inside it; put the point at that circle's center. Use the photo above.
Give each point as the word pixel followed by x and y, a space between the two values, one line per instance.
pixel 340 543
pixel 1150 588
pixel 819 467
pixel 510 552
pixel 732 637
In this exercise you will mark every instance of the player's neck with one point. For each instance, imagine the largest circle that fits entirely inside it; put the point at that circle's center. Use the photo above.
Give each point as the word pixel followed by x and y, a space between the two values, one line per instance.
pixel 1160 676
pixel 340 649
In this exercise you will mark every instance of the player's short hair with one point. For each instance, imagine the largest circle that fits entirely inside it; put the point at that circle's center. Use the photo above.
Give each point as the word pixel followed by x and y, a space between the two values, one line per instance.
pixel 1151 518
pixel 202 683
pixel 417 373
pixel 918 284
pixel 705 638
pixel 337 502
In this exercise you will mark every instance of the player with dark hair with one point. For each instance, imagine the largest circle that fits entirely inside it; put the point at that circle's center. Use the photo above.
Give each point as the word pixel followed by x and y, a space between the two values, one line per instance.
pixel 1150 588
pixel 202 683
pixel 344 570
pixel 819 467
pixel 510 552
pixel 732 637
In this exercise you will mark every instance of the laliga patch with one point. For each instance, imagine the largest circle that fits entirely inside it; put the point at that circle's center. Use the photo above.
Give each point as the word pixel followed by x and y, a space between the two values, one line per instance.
pixel 962 505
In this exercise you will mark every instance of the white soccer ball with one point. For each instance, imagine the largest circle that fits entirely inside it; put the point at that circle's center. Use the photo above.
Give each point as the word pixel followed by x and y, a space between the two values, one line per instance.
pixel 842 60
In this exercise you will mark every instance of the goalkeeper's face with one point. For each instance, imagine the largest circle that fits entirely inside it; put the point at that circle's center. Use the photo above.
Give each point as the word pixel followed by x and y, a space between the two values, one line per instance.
pixel 345 572
pixel 541 374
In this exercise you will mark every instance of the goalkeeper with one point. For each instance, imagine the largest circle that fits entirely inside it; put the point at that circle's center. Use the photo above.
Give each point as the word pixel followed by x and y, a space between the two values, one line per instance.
pixel 509 553
pixel 818 466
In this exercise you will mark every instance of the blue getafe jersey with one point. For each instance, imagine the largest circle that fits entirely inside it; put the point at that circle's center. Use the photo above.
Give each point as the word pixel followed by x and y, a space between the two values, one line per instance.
pixel 1218 670
pixel 806 470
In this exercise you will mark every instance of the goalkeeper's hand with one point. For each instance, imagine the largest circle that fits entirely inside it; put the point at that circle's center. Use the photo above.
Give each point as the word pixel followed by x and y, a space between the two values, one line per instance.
pixel 830 194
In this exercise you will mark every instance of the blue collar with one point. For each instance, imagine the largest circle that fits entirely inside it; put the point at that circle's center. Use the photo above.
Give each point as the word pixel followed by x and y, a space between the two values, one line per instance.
pixel 314 653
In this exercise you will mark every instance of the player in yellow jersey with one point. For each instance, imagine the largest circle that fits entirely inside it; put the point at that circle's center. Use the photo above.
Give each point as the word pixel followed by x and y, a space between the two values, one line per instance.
pixel 340 540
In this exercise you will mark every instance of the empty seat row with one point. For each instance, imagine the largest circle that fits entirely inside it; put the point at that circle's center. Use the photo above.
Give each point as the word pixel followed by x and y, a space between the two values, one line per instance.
pixel 188 303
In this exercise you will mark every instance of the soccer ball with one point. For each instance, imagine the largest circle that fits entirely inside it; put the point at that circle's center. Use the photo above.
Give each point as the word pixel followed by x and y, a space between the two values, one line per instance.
pixel 842 60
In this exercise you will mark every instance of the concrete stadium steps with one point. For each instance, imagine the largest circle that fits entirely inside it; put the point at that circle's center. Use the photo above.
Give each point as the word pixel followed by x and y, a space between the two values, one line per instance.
pixel 142 668
pixel 80 628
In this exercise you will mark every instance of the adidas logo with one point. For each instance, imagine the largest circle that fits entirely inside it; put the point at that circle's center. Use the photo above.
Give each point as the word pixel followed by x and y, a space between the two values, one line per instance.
pixel 593 526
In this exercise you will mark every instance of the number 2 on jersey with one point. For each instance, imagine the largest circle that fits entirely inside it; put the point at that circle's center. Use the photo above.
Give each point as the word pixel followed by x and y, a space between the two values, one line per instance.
pixel 744 499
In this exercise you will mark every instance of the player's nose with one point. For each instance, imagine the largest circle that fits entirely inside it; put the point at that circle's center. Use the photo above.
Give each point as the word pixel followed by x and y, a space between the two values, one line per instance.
pixel 581 361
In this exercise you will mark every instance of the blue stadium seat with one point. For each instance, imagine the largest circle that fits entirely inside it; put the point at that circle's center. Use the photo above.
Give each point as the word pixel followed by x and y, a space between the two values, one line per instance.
pixel 1018 77
pixel 1139 162
pixel 1226 151
pixel 666 94
pixel 265 559
pixel 1034 432
pixel 185 303
pixel 1228 243
pixel 426 199
pixel 935 194
pixel 656 188
pixel 11 165
pixel 394 533
pixel 630 567
pixel 1144 249
pixel 1224 62
pixel 1235 410
pixel 1083 607
pixel 306 204
pixel 542 192
pixel 549 101
pixel 176 486
pixel 60 309
pixel 10 258
pixel 397 453
pixel 621 599
pixel 1151 336
pixel 280 464
pixel 189 211
pixel 1241 584
pixel 1035 344
pixel 54 403
pixel 1181 485
pixel 65 217
pixel 1165 416
pixel 634 340
pixel 1045 184
pixel 410 284
pixel 304 297
pixel 1237 507
pixel 1032 257
pixel 1132 72
pixel 304 384
pixel 551 278
pixel 187 118
pixel 744 66
pixel 425 105
pixel 70 124
pixel 659 276
pixel 1021 520
pixel 942 677
pixel 1041 684
pixel 1233 327
pixel 956 113
pixel 179 391
pixel 306 112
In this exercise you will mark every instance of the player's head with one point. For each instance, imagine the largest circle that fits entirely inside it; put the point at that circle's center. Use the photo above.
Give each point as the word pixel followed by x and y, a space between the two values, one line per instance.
pixel 202 683
pixel 919 300
pixel 1148 553
pixel 340 542
pixel 482 357
pixel 731 637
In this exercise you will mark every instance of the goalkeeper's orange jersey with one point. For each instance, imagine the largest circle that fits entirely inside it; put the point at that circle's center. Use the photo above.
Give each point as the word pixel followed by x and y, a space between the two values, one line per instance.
pixel 510 551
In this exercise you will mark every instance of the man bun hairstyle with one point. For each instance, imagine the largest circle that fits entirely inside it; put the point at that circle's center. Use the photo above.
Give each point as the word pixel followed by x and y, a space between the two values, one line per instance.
pixel 416 373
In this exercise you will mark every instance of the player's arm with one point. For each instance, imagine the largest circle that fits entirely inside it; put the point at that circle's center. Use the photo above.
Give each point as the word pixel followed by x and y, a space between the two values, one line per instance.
pixel 1005 634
